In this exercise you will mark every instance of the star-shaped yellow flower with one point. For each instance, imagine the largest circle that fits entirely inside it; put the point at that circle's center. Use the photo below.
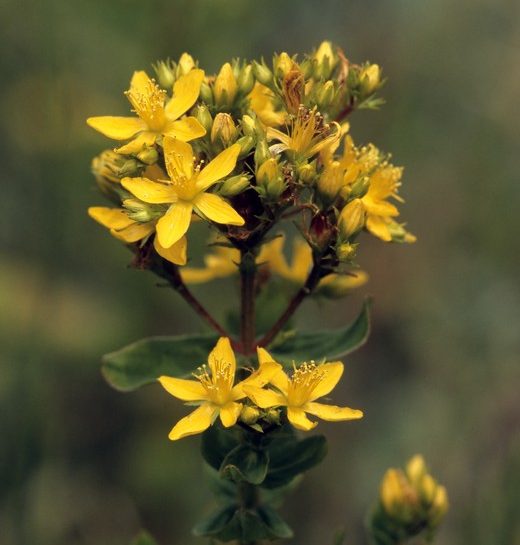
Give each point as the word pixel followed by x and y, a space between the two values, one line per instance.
pixel 186 191
pixel 299 392
pixel 129 231
pixel 215 390
pixel 156 117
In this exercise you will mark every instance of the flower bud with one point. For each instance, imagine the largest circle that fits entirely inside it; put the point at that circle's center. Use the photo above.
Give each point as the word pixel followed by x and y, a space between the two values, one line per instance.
pixel 138 210
pixel 440 506
pixel 359 188
pixel 262 152
pixel 233 186
pixel 246 144
pixel 370 79
pixel 225 88
pixel 273 416
pixel 351 219
pixel 307 172
pixel 186 64
pixel 326 59
pixel 108 165
pixel 246 80
pixel 248 125
pixel 131 167
pixel 330 182
pixel 206 94
pixel 165 73
pixel 416 469
pixel 204 117
pixel 148 155
pixel 224 129
pixel 282 64
pixel 326 94
pixel 262 73
pixel 270 178
pixel 249 415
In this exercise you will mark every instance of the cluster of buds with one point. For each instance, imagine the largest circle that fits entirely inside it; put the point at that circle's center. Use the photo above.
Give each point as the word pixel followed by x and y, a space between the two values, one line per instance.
pixel 411 504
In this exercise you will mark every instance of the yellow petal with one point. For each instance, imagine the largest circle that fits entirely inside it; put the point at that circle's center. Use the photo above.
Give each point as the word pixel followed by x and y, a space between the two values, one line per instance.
pixel 264 398
pixel 380 208
pixel 134 232
pixel 187 390
pixel 118 128
pixel 275 134
pixel 185 129
pixel 111 218
pixel 331 374
pixel 216 209
pixel 185 93
pixel 178 157
pixel 218 168
pixel 328 141
pixel 174 224
pixel 332 413
pixel 150 191
pixel 140 83
pixel 229 413
pixel 301 261
pixel 196 422
pixel 299 420
pixel 176 253
pixel 379 228
pixel 144 139
pixel 222 353
pixel 258 378
pixel 272 252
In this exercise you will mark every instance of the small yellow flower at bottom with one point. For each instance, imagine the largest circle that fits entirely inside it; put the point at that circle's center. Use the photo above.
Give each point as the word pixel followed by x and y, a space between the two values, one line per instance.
pixel 299 392
pixel 214 390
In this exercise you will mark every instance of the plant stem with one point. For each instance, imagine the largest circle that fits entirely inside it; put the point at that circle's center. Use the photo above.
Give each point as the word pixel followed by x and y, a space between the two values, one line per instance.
pixel 171 273
pixel 309 286
pixel 247 300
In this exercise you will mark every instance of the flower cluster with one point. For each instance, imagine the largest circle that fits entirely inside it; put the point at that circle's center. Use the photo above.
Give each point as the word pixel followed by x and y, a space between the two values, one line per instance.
pixel 217 395
pixel 243 150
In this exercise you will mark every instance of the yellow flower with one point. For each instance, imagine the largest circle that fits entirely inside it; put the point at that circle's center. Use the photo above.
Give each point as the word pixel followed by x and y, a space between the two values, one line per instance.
pixel 307 134
pixel 186 191
pixel 214 390
pixel 299 392
pixel 129 231
pixel 219 264
pixel 262 102
pixel 155 117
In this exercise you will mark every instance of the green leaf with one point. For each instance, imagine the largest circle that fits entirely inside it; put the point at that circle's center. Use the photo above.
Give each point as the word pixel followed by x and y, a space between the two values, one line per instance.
pixel 144 361
pixel 277 526
pixel 291 457
pixel 144 538
pixel 216 522
pixel 245 463
pixel 325 345
pixel 217 442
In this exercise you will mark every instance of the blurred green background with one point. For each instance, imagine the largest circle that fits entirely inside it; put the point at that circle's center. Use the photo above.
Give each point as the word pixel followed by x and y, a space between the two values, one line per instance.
pixel 81 464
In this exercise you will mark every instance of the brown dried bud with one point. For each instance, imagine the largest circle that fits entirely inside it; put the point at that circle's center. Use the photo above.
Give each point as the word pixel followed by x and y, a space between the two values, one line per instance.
pixel 293 89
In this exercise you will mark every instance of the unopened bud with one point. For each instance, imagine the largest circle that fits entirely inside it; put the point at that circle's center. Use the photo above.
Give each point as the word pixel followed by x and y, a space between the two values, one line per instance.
pixel 249 415
pixel 149 156
pixel 439 506
pixel 262 73
pixel 330 182
pixel 206 94
pixel 416 469
pixel 246 79
pixel 359 188
pixel 269 176
pixel 130 167
pixel 233 186
pixel 165 73
pixel 224 129
pixel 248 125
pixel 246 144
pixel 108 165
pixel 138 211
pixel 370 79
pixel 307 172
pixel 186 64
pixel 326 94
pixel 351 219
pixel 326 59
pixel 204 117
pixel 273 416
pixel 262 152
pixel 225 87
pixel 282 64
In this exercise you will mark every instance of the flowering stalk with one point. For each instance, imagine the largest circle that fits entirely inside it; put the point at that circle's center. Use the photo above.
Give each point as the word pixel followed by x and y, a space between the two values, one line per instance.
pixel 238 153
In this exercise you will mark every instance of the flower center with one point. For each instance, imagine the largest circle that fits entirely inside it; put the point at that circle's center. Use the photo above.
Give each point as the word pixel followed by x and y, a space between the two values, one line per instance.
pixel 304 380
pixel 149 104
pixel 219 383
pixel 184 182
pixel 308 126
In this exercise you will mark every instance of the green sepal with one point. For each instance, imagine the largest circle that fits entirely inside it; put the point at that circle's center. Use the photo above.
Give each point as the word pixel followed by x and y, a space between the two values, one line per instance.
pixel 324 345
pixel 277 526
pixel 144 538
pixel 142 362
pixel 245 463
pixel 214 524
pixel 290 457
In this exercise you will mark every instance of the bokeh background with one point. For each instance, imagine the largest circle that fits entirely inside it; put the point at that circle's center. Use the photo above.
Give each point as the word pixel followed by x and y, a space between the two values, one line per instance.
pixel 81 464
